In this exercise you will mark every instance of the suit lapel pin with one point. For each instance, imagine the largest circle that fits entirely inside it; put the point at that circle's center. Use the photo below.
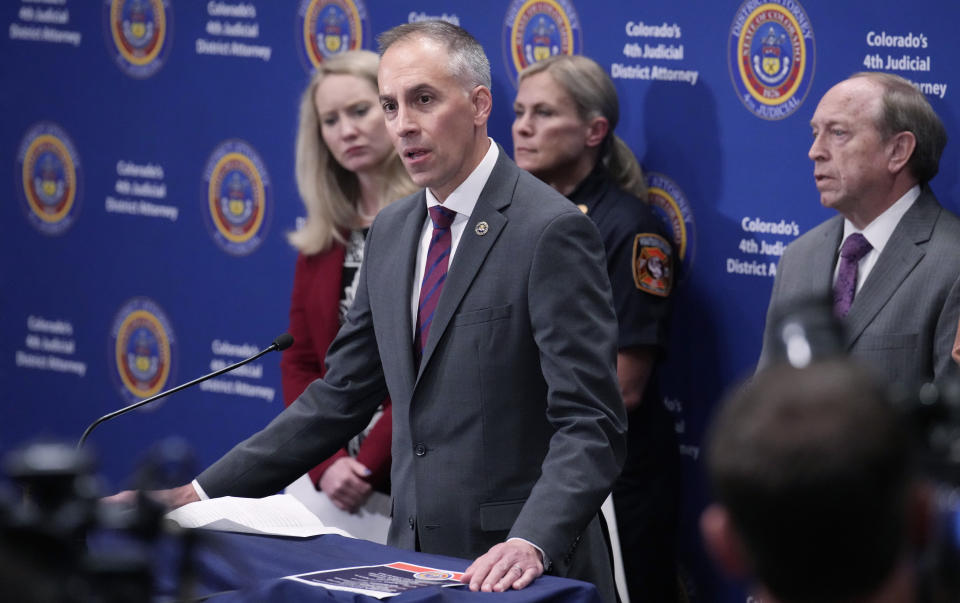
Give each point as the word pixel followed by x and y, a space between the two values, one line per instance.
pixel 481 228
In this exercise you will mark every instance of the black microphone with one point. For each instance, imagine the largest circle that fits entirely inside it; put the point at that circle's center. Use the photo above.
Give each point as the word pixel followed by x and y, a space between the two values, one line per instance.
pixel 281 343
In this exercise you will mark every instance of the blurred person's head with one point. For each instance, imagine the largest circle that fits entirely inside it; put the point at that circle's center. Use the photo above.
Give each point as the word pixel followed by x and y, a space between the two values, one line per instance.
pixel 565 114
pixel 343 151
pixel 813 476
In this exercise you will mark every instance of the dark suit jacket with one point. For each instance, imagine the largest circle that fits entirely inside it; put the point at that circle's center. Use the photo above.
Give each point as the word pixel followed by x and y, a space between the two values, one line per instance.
pixel 513 424
pixel 904 318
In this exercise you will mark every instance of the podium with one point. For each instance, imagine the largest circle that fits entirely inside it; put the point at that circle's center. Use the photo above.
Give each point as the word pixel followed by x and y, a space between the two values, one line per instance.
pixel 229 567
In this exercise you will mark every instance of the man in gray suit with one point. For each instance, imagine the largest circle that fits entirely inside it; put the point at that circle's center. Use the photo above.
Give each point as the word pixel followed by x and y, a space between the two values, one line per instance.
pixel 508 423
pixel 892 257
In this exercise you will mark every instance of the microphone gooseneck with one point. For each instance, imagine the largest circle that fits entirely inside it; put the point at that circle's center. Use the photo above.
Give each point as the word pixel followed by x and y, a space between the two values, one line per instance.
pixel 281 343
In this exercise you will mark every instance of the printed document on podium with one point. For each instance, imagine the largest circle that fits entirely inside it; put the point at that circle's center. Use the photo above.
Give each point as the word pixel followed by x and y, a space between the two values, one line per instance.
pixel 381 581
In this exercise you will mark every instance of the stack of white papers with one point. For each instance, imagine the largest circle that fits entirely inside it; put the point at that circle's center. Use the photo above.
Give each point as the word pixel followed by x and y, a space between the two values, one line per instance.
pixel 278 515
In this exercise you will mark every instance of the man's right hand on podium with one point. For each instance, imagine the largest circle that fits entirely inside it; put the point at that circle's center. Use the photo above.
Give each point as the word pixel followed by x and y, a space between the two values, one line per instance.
pixel 171 498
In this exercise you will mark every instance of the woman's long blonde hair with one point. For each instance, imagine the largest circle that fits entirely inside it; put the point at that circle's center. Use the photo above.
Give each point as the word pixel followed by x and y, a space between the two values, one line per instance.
pixel 594 94
pixel 329 191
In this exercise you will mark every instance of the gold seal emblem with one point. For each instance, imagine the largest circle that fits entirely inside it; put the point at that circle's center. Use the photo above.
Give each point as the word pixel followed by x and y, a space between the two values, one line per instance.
pixel 481 228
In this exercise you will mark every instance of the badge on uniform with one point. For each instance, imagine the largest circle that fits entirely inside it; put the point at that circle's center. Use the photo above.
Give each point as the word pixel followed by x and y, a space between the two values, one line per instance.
pixel 652 264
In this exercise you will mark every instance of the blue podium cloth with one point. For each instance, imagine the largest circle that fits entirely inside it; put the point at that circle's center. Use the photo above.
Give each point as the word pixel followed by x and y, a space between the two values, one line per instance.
pixel 230 567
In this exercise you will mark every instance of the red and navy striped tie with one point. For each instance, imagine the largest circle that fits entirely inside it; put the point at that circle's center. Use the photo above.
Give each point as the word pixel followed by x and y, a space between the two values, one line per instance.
pixel 434 274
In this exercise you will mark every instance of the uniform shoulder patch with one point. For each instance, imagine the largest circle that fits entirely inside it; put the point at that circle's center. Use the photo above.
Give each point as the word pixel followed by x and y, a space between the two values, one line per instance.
pixel 652 264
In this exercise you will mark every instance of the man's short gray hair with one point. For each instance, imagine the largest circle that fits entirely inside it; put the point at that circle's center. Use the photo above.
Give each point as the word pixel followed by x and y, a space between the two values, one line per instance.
pixel 468 61
pixel 906 109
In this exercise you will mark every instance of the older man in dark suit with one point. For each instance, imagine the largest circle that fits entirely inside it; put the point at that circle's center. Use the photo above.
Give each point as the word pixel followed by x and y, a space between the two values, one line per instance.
pixel 891 258
pixel 490 324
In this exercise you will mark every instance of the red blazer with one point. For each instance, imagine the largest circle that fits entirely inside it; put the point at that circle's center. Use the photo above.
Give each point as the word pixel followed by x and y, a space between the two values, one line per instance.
pixel 314 322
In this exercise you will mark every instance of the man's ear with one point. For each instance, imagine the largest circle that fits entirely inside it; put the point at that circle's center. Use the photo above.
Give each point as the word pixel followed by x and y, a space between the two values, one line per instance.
pixel 722 541
pixel 900 148
pixel 482 102
pixel 597 129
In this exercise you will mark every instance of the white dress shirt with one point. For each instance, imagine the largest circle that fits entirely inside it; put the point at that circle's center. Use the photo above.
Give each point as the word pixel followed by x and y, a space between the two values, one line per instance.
pixel 877 233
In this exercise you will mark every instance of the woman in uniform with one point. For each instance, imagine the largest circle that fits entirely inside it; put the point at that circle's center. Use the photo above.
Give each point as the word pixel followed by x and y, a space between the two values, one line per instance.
pixel 566 111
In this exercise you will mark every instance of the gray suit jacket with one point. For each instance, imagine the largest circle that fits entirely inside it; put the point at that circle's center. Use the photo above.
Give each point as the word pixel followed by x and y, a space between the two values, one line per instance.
pixel 513 424
pixel 904 318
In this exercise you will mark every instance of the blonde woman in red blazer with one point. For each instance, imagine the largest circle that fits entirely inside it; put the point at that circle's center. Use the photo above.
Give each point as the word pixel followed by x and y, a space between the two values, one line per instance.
pixel 346 171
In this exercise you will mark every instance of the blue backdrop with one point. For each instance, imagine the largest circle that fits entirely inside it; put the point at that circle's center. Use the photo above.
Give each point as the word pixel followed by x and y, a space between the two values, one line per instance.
pixel 148 185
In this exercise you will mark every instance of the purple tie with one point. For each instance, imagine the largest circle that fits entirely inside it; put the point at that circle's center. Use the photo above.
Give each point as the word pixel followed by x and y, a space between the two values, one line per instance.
pixel 851 252
pixel 434 274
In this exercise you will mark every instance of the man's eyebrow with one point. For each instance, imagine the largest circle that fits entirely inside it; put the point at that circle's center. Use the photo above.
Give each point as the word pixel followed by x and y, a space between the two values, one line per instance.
pixel 424 87
pixel 411 92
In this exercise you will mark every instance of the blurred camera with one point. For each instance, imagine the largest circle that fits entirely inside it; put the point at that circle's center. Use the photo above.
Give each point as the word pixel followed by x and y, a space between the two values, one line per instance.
pixel 49 511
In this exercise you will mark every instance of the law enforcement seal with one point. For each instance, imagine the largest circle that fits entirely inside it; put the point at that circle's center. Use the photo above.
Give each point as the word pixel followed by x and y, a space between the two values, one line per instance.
pixel 237 197
pixel 141 349
pixel 138 34
pixel 329 27
pixel 671 204
pixel 652 264
pixel 771 56
pixel 536 29
pixel 49 182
